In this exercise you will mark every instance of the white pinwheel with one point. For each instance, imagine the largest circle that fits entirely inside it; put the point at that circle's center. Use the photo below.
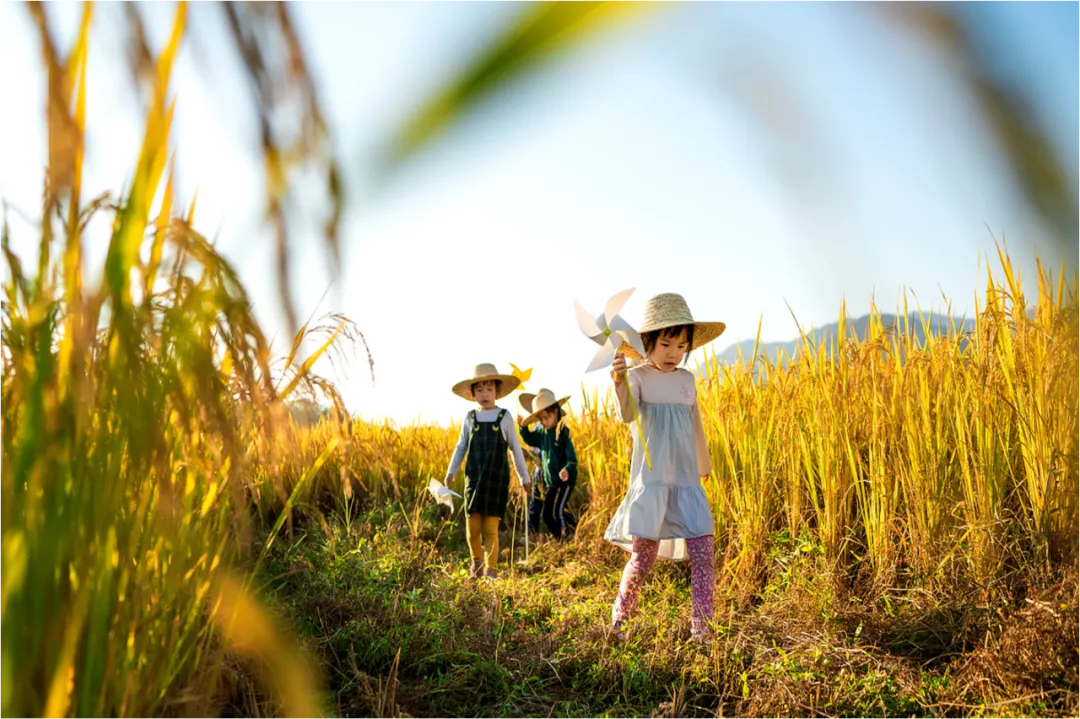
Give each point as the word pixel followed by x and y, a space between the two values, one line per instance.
pixel 609 330
pixel 442 494
pixel 614 335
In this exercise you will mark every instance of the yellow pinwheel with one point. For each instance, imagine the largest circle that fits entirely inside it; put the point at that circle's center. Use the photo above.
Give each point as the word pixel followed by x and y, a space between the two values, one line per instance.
pixel 523 375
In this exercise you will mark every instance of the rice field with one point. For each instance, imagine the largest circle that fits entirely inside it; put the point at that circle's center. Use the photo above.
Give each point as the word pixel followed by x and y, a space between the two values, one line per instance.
pixel 925 488
pixel 150 465
pixel 156 490
pixel 911 463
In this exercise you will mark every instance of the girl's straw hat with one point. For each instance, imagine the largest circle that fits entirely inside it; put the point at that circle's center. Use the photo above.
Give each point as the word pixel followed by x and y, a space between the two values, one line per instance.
pixel 486 371
pixel 537 403
pixel 670 310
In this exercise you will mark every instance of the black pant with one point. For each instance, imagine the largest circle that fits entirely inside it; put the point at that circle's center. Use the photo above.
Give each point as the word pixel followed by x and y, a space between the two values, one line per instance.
pixel 552 507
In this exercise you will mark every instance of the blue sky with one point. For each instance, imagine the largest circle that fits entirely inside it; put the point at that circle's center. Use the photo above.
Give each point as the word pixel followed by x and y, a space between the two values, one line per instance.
pixel 744 155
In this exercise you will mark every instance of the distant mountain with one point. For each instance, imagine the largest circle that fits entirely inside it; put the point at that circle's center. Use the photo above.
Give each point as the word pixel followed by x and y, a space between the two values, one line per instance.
pixel 938 325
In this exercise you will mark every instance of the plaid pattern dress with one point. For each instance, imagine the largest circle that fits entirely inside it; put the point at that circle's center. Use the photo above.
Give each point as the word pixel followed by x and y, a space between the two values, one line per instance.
pixel 487 468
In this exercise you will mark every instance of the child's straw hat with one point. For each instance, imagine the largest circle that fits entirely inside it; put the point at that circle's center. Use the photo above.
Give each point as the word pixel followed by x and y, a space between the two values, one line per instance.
pixel 537 403
pixel 670 310
pixel 482 372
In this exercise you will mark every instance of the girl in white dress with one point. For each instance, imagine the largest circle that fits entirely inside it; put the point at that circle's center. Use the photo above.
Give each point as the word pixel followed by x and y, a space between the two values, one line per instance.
pixel 665 512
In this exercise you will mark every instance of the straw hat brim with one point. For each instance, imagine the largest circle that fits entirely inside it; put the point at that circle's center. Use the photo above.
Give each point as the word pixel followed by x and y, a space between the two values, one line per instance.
pixel 704 332
pixel 535 416
pixel 463 388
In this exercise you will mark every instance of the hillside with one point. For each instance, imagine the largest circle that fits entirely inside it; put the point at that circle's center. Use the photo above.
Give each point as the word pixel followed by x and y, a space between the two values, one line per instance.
pixel 938 325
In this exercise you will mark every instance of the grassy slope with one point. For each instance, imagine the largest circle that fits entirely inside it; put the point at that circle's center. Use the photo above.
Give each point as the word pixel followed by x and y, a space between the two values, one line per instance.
pixel 386 606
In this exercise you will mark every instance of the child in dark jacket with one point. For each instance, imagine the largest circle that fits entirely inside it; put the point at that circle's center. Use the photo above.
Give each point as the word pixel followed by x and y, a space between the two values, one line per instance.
pixel 558 461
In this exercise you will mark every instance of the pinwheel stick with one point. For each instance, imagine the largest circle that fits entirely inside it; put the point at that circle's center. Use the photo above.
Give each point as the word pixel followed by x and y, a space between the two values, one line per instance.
pixel 637 420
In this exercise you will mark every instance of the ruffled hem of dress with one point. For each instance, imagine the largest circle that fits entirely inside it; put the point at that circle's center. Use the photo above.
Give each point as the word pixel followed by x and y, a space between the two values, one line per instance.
pixel 692 513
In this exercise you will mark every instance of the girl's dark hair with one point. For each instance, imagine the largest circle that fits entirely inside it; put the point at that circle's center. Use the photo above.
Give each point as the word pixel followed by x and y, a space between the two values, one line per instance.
pixel 649 339
pixel 498 386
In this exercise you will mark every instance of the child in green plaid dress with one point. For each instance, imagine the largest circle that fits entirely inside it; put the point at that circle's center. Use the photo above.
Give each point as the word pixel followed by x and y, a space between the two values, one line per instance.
pixel 486 436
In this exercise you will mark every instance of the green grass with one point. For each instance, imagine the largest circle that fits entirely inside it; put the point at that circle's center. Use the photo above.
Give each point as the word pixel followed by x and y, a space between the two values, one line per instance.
pixel 401 629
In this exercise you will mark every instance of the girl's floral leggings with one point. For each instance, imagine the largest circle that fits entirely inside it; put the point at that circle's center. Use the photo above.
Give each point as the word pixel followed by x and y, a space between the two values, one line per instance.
pixel 702 574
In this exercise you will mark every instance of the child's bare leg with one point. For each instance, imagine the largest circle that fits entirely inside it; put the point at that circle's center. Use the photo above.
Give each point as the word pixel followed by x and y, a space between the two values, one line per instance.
pixel 641 560
pixel 702 581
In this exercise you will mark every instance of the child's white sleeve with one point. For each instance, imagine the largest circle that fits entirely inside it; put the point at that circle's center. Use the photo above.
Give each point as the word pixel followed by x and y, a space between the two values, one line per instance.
pixel 703 459
pixel 510 433
pixel 462 447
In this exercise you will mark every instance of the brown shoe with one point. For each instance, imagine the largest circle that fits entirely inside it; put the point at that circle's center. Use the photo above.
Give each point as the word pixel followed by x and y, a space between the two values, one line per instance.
pixel 476 569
